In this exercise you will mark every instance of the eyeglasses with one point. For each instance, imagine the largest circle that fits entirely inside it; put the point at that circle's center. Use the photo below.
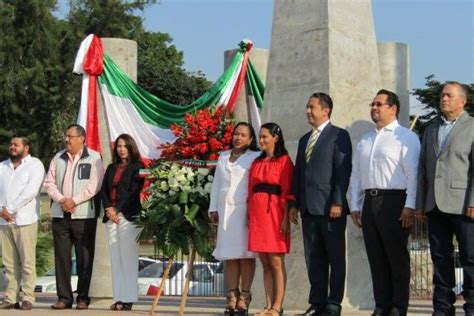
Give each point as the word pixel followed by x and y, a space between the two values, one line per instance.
pixel 377 104
pixel 71 136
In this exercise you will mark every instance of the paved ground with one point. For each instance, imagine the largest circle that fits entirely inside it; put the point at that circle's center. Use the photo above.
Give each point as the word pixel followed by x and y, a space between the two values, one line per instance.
pixel 170 306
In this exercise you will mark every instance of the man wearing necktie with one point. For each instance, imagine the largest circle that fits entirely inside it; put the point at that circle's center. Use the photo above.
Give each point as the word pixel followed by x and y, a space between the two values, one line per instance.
pixel 320 182
pixel 445 197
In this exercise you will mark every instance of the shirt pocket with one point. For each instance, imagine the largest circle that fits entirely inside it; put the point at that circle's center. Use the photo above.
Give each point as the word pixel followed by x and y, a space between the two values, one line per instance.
pixel 84 170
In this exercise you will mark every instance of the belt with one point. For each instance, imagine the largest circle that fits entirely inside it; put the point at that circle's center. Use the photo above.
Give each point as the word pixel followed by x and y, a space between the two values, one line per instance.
pixel 377 192
pixel 267 188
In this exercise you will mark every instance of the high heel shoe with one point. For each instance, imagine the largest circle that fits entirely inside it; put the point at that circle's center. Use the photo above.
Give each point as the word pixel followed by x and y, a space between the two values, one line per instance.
pixel 243 303
pixel 232 297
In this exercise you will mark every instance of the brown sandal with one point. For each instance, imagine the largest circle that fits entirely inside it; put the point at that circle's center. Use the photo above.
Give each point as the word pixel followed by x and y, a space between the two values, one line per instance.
pixel 263 311
pixel 273 312
pixel 232 297
pixel 245 298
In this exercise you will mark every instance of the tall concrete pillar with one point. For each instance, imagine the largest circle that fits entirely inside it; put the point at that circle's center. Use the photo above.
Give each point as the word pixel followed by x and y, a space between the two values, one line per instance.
pixel 394 62
pixel 259 58
pixel 328 46
pixel 124 54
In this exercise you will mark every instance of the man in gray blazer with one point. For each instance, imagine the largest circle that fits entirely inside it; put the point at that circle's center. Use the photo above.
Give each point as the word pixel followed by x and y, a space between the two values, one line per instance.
pixel 445 197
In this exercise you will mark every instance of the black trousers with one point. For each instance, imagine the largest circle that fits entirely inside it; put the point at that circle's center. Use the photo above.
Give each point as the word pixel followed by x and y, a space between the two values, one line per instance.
pixel 441 229
pixel 80 233
pixel 386 243
pixel 325 247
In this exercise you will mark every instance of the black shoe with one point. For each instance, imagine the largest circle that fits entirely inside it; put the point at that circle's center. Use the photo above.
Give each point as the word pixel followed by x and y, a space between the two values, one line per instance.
pixel 397 312
pixel 377 312
pixel 312 311
pixel 7 305
pixel 329 312
pixel 450 312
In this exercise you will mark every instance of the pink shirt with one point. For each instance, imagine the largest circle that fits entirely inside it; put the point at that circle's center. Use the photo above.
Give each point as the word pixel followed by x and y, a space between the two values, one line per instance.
pixel 92 188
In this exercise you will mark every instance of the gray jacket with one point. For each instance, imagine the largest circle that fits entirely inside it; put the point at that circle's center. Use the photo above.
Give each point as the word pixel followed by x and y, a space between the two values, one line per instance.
pixel 445 178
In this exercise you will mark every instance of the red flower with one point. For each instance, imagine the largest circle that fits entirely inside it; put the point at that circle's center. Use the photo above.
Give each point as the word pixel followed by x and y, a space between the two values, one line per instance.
pixel 213 156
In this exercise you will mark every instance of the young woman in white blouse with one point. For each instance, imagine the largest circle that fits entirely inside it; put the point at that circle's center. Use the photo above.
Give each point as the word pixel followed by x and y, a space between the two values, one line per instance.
pixel 228 208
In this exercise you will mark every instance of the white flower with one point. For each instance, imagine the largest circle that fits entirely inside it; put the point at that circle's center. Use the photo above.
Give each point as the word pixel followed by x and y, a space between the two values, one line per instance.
pixel 207 187
pixel 210 178
pixel 173 183
pixel 203 171
pixel 164 186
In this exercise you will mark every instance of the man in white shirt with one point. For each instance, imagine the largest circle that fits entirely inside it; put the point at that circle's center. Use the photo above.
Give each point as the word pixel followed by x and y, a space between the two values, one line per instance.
pixel 21 177
pixel 383 189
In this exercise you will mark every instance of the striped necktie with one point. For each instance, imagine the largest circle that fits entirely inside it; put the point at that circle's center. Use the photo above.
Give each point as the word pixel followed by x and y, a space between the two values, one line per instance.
pixel 311 143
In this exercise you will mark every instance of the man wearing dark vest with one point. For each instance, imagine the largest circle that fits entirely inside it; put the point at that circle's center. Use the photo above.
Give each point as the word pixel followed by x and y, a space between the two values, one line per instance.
pixel 320 182
pixel 74 178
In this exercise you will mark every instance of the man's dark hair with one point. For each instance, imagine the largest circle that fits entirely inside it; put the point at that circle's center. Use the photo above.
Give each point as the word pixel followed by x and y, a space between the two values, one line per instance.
pixel 79 129
pixel 392 98
pixel 25 140
pixel 462 87
pixel 325 101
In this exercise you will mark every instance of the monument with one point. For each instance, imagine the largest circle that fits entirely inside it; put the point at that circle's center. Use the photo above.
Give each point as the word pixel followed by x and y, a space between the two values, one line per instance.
pixel 328 46
pixel 124 54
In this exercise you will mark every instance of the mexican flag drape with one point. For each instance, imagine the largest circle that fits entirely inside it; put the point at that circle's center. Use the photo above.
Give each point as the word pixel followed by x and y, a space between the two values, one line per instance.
pixel 132 110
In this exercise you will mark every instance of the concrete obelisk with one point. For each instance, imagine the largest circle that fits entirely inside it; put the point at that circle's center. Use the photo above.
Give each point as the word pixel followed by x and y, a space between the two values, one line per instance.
pixel 124 54
pixel 395 74
pixel 328 46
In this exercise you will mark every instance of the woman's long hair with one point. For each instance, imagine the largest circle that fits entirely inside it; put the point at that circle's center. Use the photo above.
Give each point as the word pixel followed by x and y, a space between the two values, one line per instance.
pixel 280 149
pixel 253 144
pixel 133 153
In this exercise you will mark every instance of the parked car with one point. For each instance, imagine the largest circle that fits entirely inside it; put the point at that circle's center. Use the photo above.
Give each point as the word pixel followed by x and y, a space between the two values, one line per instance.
pixel 47 283
pixel 3 280
pixel 458 274
pixel 202 282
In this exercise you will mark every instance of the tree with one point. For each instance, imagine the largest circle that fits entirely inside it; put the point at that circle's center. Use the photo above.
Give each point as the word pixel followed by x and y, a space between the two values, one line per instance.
pixel 40 94
pixel 429 96
pixel 32 77
pixel 160 64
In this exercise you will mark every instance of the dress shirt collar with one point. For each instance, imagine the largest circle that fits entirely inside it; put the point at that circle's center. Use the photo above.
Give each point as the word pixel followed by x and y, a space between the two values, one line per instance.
pixel 389 127
pixel 321 127
pixel 444 120
pixel 24 160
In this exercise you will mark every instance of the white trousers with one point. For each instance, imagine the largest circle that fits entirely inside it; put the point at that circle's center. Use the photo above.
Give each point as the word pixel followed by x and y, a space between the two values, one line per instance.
pixel 124 258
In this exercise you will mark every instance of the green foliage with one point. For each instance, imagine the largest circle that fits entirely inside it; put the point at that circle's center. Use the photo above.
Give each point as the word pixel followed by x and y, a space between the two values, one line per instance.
pixel 44 253
pixel 175 212
pixel 40 94
pixel 430 97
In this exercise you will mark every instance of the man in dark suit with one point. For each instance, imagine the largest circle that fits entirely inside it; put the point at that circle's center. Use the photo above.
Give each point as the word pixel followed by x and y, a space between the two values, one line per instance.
pixel 445 197
pixel 320 182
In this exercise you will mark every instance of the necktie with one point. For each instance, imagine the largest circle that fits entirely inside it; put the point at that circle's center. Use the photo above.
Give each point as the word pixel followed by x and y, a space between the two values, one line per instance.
pixel 311 143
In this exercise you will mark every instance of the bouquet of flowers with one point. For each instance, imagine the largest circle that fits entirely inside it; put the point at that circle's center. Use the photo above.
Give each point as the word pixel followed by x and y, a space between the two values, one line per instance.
pixel 175 210
pixel 201 136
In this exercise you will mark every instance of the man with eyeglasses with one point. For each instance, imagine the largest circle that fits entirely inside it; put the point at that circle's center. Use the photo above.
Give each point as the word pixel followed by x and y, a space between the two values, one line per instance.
pixel 74 178
pixel 445 197
pixel 21 177
pixel 383 193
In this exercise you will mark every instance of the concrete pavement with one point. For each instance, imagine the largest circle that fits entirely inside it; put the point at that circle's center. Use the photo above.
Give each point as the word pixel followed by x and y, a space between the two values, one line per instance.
pixel 170 306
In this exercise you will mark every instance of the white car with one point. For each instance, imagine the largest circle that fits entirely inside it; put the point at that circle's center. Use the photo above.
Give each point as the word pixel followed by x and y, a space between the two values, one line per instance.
pixel 47 283
pixel 202 282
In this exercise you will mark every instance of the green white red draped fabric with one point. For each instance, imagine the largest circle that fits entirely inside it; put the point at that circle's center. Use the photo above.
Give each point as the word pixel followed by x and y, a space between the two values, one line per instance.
pixel 132 110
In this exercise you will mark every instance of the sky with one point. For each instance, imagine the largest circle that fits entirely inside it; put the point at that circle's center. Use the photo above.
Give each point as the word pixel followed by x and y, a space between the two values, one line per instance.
pixel 440 33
